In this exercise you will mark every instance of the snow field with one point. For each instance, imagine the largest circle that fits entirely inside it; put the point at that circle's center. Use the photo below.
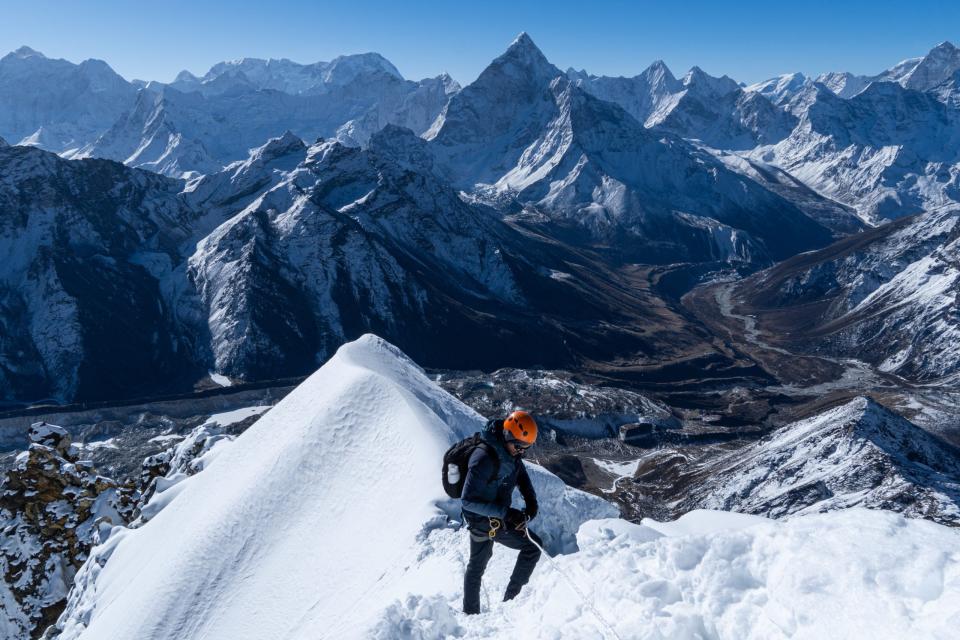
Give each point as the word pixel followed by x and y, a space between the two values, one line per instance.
pixel 848 574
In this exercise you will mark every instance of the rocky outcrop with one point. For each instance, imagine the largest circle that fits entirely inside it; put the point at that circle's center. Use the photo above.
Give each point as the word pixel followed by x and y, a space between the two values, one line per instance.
pixel 52 508
pixel 162 471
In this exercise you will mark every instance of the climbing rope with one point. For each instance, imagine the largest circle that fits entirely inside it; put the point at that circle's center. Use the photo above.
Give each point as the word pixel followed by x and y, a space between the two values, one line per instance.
pixel 573 585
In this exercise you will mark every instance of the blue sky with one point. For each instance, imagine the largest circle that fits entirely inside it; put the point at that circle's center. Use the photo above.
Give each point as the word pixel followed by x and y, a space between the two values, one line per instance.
pixel 749 40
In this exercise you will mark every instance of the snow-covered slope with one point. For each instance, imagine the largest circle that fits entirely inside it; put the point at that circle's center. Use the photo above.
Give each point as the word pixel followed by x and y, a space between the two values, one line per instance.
pixel 310 523
pixel 523 132
pixel 339 481
pixel 713 575
pixel 858 454
pixel 417 110
pixel 888 151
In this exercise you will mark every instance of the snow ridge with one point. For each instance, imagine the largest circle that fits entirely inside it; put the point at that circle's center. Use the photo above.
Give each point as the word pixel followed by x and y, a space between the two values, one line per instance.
pixel 304 493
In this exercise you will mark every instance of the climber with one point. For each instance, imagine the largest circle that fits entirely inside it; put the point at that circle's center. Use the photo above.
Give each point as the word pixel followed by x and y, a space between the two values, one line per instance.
pixel 493 472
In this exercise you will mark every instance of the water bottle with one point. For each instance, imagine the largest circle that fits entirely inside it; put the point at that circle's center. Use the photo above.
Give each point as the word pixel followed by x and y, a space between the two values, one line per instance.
pixel 453 473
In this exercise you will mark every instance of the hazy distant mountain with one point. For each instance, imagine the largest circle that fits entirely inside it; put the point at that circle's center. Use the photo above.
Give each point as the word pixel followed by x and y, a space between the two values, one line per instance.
pixel 56 104
pixel 287 76
pixel 198 125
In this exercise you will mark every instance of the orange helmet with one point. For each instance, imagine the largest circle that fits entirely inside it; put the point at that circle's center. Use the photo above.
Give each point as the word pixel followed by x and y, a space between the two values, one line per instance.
pixel 520 426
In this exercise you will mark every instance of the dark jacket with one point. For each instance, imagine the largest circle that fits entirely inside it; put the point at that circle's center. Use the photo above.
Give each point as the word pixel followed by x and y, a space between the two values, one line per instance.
pixel 486 497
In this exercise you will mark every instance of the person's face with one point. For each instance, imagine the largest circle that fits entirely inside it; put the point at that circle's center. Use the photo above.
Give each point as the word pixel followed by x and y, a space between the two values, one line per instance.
pixel 515 450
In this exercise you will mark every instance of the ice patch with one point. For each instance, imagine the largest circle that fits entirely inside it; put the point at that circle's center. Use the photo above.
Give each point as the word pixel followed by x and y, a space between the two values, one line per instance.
pixel 221 380
pixel 228 418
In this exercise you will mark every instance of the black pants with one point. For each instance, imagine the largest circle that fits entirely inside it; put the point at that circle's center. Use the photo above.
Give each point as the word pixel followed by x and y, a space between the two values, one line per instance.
pixel 481 548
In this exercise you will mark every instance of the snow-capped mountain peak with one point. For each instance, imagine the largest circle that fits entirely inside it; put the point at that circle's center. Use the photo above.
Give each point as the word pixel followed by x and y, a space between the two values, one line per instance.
pixel 922 73
pixel 344 69
pixel 56 103
pixel 843 84
pixel 486 126
pixel 185 77
pixel 710 85
pixel 277 147
pixel 780 88
pixel 938 65
pixel 25 52
pixel 449 84
pixel 658 71
pixel 524 59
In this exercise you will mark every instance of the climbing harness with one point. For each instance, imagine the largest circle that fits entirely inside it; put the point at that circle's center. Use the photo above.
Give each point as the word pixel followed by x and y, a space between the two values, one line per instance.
pixel 589 605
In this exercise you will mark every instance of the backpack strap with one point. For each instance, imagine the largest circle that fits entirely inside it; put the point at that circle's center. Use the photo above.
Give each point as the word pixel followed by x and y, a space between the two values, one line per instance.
pixel 494 456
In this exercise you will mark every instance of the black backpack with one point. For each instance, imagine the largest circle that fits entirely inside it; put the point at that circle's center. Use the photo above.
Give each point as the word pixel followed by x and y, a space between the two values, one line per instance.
pixel 459 455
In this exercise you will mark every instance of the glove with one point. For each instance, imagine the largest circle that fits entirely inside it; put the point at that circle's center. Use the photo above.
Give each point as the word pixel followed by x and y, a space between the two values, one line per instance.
pixel 516 519
pixel 531 510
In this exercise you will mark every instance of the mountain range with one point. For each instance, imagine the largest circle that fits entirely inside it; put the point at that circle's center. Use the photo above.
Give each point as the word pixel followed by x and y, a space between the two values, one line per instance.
pixel 713 296
pixel 556 217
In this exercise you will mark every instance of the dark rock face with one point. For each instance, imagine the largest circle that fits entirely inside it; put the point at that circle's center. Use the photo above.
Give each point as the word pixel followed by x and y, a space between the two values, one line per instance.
pixel 123 283
pixel 85 314
pixel 52 506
